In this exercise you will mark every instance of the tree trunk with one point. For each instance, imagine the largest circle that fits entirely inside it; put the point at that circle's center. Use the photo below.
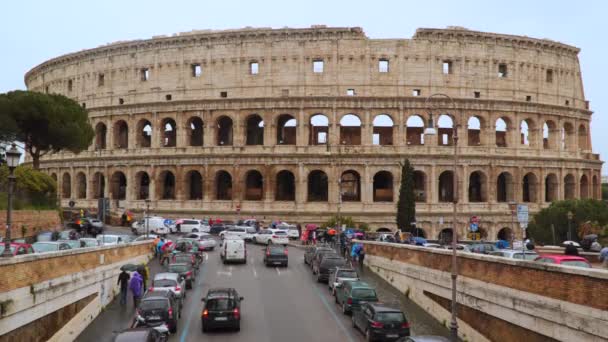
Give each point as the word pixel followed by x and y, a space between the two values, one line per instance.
pixel 35 160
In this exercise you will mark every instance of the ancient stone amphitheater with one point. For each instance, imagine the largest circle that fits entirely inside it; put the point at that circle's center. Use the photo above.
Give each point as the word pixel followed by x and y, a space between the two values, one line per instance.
pixel 300 124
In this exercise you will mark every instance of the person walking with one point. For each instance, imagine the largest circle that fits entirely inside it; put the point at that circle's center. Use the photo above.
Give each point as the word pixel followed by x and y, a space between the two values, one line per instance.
pixel 155 244
pixel 604 256
pixel 123 281
pixel 159 247
pixel 361 257
pixel 136 288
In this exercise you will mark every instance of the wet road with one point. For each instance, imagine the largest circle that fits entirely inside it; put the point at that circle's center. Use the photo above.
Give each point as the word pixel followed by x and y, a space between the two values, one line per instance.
pixel 281 304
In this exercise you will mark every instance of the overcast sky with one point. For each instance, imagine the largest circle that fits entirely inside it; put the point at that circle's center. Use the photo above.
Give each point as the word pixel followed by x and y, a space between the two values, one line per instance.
pixel 34 31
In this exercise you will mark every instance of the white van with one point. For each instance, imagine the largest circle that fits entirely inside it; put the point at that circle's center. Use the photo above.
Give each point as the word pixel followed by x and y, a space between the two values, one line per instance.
pixel 156 225
pixel 189 226
pixel 233 249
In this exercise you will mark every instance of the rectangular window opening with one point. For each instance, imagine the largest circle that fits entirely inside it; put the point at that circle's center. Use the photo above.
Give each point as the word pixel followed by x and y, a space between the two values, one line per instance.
pixel 196 70
pixel 145 74
pixel 317 66
pixel 477 94
pixel 350 92
pixel 383 65
pixel 254 68
pixel 84 105
pixel 528 98
pixel 121 101
pixel 101 80
pixel 70 85
pixel 502 70
pixel 447 67
pixel 223 94
pixel 549 75
pixel 567 102
pixel 168 97
pixel 46 89
pixel 416 92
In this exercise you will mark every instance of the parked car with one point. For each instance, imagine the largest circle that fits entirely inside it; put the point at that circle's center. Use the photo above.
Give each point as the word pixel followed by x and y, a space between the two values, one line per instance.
pixel 424 338
pixel 180 258
pixel 340 274
pixel 459 247
pixel 217 228
pixel 205 241
pixel 73 243
pixel 483 248
pixel 185 270
pixel 18 248
pixel 565 260
pixel 229 224
pixel 515 254
pixel 89 242
pixel 310 252
pixel 67 235
pixel 380 322
pixel 319 257
pixel 172 282
pixel 93 226
pixel 276 255
pixel 142 334
pixel 326 266
pixel 45 236
pixel 50 246
pixel 237 231
pixel 158 306
pixel 188 226
pixel 290 229
pixel 155 224
pixel 145 237
pixel 110 240
pixel 233 249
pixel 350 294
pixel 222 309
pixel 267 236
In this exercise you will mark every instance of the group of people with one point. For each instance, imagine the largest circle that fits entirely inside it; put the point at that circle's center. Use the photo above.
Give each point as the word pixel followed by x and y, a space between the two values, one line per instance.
pixel 136 283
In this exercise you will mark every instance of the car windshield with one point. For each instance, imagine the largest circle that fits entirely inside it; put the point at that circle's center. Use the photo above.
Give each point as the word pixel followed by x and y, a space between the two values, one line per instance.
pixel 575 263
pixel 527 256
pixel 178 268
pixel 44 247
pixel 347 274
pixel 2 249
pixel 153 304
pixel 183 258
pixel 165 283
pixel 364 293
pixel 333 262
pixel 277 250
pixel 109 239
pixel 206 237
pixel 220 304
pixel 386 317
pixel 280 232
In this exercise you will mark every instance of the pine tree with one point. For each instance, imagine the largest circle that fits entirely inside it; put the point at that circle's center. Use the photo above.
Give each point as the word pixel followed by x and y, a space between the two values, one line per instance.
pixel 406 206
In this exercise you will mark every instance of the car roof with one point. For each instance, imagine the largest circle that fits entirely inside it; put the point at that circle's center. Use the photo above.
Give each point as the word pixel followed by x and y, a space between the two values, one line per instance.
pixel 221 292
pixel 166 275
pixel 358 284
pixel 158 294
pixel 562 257
pixel 383 307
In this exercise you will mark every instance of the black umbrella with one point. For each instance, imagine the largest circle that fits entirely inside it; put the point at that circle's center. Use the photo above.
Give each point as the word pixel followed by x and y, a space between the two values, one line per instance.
pixel 129 267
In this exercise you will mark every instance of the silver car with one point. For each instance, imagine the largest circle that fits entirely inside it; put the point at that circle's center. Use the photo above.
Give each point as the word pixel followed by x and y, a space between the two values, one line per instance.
pixel 339 275
pixel 205 241
pixel 173 282
pixel 515 254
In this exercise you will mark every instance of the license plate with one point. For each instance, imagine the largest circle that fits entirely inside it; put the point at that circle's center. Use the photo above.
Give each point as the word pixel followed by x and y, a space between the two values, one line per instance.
pixel 153 318
pixel 276 263
pixel 221 318
pixel 392 336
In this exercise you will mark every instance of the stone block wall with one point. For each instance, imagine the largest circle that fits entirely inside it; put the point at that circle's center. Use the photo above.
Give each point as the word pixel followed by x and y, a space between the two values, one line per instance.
pixel 32 220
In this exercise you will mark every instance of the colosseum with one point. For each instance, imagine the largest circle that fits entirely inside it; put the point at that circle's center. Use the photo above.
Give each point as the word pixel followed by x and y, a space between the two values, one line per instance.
pixel 300 124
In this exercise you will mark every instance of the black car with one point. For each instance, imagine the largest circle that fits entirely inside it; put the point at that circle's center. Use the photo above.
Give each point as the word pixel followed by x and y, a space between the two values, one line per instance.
pixel 222 309
pixel 312 254
pixel 184 270
pixel 275 255
pixel 328 264
pixel 380 322
pixel 139 335
pixel 217 228
pixel 159 306
pixel 319 258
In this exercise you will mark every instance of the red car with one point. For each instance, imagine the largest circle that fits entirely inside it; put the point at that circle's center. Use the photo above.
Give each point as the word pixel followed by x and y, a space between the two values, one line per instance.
pixel 18 248
pixel 561 259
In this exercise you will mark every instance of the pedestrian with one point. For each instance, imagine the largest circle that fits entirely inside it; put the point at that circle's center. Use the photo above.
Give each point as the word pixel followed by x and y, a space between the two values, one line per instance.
pixel 159 247
pixel 361 257
pixel 398 236
pixel 299 227
pixel 571 250
pixel 604 256
pixel 136 288
pixel 155 246
pixel 123 281
pixel 143 271
pixel 166 252
pixel 314 237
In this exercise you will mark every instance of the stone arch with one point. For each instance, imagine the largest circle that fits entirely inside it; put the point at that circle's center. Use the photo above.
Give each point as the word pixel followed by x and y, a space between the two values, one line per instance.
pixel 350 130
pixel 529 188
pixel 317 186
pixel 286 129
pixel 567 137
pixel 121 134
pixel 596 187
pixel 420 186
pixel 54 177
pixel 223 185
pixel 382 130
pixel 502 128
pixel 254 186
pixel 582 137
pixel 350 186
pixel 383 230
pixel 193 185
pixel 169 128
pixel 144 133
pixel 505 187
pixel 254 130
pixel 445 130
pixel 525 132
pixel 474 125
pixel 478 187
pixel 445 236
pixel 569 186
pixel 415 130
pixel 551 188
pixel 584 187
pixel 195 127
pixel 224 135
pixel 318 130
pixel 99 185
pixel 549 128
pixel 419 232
pixel 285 186
pixel 142 185
pixel 166 182
pixel 383 186
pixel 66 185
pixel 118 186
pixel 446 186
pixel 81 185
pixel 504 233
pixel 101 132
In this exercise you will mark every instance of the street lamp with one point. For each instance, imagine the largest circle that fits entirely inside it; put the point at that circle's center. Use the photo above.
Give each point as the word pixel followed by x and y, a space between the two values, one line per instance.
pixel 570 216
pixel 513 208
pixel 146 214
pixel 430 130
pixel 12 160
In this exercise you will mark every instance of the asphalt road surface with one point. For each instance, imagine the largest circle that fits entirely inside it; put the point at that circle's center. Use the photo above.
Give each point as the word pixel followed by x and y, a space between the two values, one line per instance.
pixel 280 304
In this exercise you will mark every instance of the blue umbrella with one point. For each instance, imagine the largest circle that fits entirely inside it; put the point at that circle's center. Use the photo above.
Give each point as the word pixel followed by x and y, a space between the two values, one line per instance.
pixel 419 240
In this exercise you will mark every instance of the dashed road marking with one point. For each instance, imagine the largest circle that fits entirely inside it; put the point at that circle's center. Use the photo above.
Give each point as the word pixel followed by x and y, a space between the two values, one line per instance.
pixel 278 272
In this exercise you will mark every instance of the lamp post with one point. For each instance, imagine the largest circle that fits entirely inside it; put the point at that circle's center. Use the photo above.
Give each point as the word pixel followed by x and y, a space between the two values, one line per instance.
pixel 12 160
pixel 145 216
pixel 513 208
pixel 430 130
pixel 570 216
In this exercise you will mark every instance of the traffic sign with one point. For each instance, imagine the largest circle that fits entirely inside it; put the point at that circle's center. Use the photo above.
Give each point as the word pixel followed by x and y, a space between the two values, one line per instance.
pixel 474 236
pixel 474 227
pixel 475 219
pixel 522 214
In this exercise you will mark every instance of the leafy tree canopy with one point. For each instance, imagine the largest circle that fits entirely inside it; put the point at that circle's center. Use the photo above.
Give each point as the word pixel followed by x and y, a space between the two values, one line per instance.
pixel 29 181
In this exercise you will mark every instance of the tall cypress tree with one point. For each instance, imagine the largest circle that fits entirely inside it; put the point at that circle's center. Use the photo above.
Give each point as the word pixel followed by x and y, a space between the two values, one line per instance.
pixel 406 206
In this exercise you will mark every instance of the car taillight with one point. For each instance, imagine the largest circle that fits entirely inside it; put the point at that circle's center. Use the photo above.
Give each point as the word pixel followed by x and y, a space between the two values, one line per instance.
pixel 151 289
pixel 189 273
pixel 205 313
pixel 275 237
pixel 170 312
pixel 376 324
pixel 349 301
pixel 405 325
pixel 285 251
pixel 268 253
pixel 177 288
pixel 236 313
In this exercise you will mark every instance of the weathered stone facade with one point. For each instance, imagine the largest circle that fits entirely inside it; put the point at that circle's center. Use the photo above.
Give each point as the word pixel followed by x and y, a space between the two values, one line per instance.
pixel 269 121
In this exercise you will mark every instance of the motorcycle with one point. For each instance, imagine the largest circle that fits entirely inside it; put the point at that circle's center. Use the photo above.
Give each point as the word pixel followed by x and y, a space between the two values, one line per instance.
pixel 160 327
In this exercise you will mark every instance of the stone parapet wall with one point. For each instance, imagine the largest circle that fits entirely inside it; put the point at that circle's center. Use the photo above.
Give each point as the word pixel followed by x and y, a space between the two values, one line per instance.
pixel 29 222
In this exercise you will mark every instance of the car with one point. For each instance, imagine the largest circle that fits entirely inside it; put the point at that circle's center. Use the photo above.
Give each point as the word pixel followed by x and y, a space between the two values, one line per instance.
pixel 110 240
pixel 459 247
pixel 145 237
pixel 67 235
pixel 237 231
pixel 142 334
pixel 172 282
pixel 233 249
pixel 319 256
pixel 515 254
pixel 276 255
pixel 154 224
pixel 292 230
pixel 93 226
pixel 310 252
pixel 185 270
pixel 73 243
pixel 217 228
pixel 18 248
pixel 380 322
pixel 188 226
pixel 50 246
pixel 267 236
pixel 482 248
pixel 222 309
pixel 424 338
pixel 45 236
pixel 327 264
pixel 187 245
pixel 89 242
pixel 160 306
pixel 229 224
pixel 180 258
pixel 432 245
pixel 565 260
pixel 350 294
pixel 205 241
pixel 340 274
pixel 386 237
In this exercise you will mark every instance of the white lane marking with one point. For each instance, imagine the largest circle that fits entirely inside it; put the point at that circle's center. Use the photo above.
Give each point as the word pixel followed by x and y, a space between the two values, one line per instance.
pixel 279 272
pixel 229 274
pixel 206 256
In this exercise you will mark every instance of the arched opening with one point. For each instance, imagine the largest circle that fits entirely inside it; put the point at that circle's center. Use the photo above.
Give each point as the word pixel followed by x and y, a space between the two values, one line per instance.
pixel 551 187
pixel 445 236
pixel 383 130
pixel 567 136
pixel 474 131
pixel 383 230
pixel 66 186
pixel 504 188
pixel 350 130
pixel 99 185
pixel 478 187
pixel 529 188
pixel 119 186
pixel 319 128
pixel 584 187
pixel 596 188
pixel 549 135
pixel 223 181
pixel 569 186
pixel 143 185
pixel 224 131
pixel 350 186
pixel 286 130
pixel 317 186
pixel 144 133
pixel 504 234
pixel 194 185
pixel 121 134
pixel 502 127
pixel 254 186
pixel 582 138
pixel 100 136
pixel 524 133
pixel 383 187
pixel 167 185
pixel 196 131
pixel 445 130
pixel 81 185
pixel 415 130
pixel 285 186
pixel 419 232
pixel 446 186
pixel 420 186
pixel 169 132
pixel 255 130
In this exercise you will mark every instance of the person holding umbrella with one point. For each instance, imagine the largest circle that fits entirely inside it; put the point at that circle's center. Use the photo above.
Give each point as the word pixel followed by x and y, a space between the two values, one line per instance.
pixel 123 281
pixel 136 288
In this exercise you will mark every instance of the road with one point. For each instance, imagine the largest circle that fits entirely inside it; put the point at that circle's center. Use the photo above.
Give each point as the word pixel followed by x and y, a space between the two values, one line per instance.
pixel 281 304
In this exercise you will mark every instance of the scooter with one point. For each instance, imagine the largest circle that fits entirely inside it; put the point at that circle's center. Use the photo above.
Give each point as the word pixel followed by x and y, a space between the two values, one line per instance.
pixel 161 327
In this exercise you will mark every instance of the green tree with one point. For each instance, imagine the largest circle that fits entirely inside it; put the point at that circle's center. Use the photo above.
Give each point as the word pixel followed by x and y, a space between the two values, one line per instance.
pixel 343 220
pixel 605 191
pixel 32 188
pixel 406 205
pixel 48 123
